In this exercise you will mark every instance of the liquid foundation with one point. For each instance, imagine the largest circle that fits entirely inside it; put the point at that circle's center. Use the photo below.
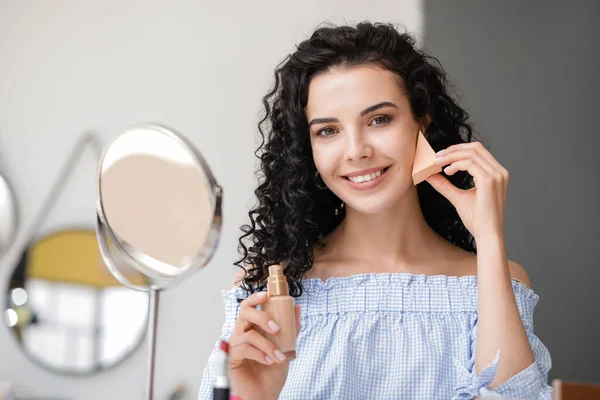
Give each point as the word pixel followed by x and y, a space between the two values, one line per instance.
pixel 280 305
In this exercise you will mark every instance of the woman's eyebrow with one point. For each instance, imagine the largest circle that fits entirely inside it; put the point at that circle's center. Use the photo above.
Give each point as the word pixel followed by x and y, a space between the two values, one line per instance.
pixel 376 107
pixel 362 113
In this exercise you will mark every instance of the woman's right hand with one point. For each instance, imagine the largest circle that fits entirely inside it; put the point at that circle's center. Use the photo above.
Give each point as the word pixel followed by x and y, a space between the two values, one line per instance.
pixel 258 370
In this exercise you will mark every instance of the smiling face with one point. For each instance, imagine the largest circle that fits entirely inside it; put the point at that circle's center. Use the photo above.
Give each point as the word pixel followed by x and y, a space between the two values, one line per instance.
pixel 363 136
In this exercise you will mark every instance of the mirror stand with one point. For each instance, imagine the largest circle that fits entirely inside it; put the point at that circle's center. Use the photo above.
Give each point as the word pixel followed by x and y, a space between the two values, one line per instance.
pixel 152 331
pixel 153 307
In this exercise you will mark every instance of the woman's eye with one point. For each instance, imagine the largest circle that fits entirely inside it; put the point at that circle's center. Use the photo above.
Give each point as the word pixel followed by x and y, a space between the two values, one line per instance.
pixel 380 120
pixel 326 132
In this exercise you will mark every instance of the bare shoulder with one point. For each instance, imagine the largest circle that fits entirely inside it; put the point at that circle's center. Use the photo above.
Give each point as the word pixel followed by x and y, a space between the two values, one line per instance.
pixel 468 266
pixel 518 272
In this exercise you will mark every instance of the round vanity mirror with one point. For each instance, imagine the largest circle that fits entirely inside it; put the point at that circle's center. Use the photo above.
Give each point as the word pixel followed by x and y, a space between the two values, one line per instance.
pixel 65 309
pixel 159 207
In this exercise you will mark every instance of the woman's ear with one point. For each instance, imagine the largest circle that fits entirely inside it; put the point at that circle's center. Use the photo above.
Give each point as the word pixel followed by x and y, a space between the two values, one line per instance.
pixel 425 121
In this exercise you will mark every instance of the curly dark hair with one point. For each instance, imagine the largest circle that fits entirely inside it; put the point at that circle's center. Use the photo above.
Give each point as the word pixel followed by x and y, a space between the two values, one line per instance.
pixel 292 214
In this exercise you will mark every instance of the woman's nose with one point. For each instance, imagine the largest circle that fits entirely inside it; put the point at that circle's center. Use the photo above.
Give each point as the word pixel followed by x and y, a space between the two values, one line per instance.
pixel 358 147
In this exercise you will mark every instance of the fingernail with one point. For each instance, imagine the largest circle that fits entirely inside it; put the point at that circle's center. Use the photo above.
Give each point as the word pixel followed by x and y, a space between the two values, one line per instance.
pixel 273 325
pixel 279 355
pixel 440 153
pixel 267 359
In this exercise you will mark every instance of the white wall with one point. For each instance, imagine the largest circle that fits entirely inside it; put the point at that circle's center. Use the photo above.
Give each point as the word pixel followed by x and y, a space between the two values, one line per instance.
pixel 202 68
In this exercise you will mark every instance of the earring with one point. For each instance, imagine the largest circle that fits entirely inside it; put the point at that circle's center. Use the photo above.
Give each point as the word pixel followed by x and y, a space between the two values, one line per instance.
pixel 336 211
pixel 319 186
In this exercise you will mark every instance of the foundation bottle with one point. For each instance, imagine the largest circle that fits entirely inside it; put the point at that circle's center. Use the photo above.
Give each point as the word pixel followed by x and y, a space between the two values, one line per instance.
pixel 280 305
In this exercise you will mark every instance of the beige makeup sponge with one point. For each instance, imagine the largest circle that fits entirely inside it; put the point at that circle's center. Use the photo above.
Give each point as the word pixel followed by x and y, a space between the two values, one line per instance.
pixel 424 165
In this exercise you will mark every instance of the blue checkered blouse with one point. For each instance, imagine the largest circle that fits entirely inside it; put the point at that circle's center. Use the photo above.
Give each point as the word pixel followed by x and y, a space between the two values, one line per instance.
pixel 395 336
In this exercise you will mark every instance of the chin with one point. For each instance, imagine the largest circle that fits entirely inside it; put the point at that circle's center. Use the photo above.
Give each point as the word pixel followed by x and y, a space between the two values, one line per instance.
pixel 377 203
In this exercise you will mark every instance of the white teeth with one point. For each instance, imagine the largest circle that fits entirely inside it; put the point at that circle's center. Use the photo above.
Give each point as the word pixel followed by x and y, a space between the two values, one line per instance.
pixel 365 178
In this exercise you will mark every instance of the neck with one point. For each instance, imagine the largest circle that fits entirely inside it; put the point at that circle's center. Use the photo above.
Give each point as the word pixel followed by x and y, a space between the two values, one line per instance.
pixel 396 240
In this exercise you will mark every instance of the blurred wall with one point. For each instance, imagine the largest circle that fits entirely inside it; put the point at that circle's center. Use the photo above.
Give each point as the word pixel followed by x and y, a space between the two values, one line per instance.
pixel 528 72
pixel 200 67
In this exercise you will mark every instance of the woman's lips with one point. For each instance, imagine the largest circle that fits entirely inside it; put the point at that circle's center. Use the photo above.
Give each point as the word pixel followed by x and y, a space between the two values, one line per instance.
pixel 368 184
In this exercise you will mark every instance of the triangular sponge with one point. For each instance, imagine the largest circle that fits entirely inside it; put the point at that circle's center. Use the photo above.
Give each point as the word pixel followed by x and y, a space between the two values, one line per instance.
pixel 424 165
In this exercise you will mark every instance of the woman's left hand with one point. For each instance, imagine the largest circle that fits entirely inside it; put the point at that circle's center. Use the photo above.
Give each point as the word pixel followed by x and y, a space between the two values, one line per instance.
pixel 481 208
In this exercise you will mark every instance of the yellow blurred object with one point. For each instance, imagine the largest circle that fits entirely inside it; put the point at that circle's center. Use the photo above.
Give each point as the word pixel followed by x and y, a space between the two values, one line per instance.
pixel 24 315
pixel 73 257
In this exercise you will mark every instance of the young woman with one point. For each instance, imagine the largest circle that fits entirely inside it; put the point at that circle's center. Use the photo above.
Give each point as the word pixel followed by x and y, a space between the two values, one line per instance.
pixel 402 291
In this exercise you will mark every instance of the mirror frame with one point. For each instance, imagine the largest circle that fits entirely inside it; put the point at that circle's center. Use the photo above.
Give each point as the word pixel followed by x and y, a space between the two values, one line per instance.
pixel 15 210
pixel 135 256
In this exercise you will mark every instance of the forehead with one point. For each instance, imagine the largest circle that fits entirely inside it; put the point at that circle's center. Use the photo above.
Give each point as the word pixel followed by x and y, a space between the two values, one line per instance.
pixel 352 88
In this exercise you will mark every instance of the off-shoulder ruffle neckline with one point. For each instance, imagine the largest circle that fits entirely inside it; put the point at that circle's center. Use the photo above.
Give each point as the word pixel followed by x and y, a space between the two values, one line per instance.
pixel 396 293
pixel 397 278
pixel 403 278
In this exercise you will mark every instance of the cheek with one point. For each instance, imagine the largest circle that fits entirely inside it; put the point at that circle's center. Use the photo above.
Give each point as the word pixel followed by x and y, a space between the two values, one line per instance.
pixel 397 146
pixel 324 158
